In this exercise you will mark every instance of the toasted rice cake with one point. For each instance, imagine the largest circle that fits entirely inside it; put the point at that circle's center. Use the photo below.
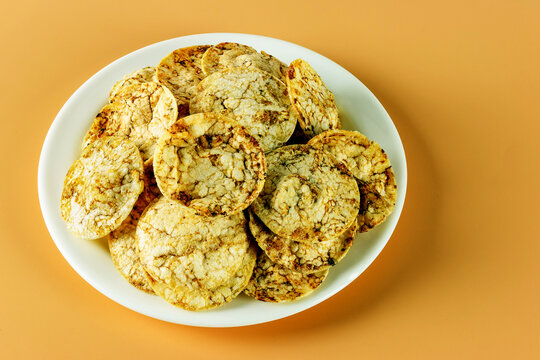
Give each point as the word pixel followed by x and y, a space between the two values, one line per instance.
pixel 254 98
pixel 101 187
pixel 140 76
pixel 370 166
pixel 181 72
pixel 140 112
pixel 273 283
pixel 122 241
pixel 311 98
pixel 307 194
pixel 306 256
pixel 187 256
pixel 210 164
pixel 229 55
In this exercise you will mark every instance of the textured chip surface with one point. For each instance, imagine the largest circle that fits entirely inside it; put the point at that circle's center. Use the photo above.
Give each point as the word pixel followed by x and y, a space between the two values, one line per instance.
pixel 101 187
pixel 140 112
pixel 312 99
pixel 229 55
pixel 370 166
pixel 122 241
pixel 210 164
pixel 307 194
pixel 255 99
pixel 144 75
pixel 273 283
pixel 305 256
pixel 181 72
pixel 188 257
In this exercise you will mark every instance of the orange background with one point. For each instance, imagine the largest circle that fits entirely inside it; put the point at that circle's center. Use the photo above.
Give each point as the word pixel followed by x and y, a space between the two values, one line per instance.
pixel 459 277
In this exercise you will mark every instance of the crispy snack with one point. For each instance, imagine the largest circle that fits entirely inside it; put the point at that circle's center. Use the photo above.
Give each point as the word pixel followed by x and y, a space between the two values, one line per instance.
pixel 255 99
pixel 181 72
pixel 141 76
pixel 273 283
pixel 210 164
pixel 228 55
pixel 122 241
pixel 307 194
pixel 370 166
pixel 193 261
pixel 140 112
pixel 306 256
pixel 317 111
pixel 101 187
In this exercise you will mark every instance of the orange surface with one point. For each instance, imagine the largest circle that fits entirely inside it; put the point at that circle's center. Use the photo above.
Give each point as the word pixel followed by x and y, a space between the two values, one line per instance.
pixel 459 277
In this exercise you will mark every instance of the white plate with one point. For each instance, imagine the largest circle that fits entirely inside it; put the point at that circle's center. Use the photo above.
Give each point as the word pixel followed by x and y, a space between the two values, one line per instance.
pixel 359 108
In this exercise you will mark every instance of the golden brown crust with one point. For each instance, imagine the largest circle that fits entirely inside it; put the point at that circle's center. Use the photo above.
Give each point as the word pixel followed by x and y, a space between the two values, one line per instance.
pixel 255 99
pixel 312 99
pixel 101 187
pixel 188 257
pixel 303 256
pixel 307 194
pixel 210 164
pixel 140 112
pixel 181 72
pixel 141 76
pixel 229 55
pixel 273 283
pixel 370 166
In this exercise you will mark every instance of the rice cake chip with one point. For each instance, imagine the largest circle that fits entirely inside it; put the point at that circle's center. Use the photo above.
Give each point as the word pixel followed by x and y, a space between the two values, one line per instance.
pixel 317 110
pixel 140 112
pixel 305 256
pixel 181 72
pixel 210 164
pixel 307 194
pixel 254 98
pixel 370 166
pixel 101 187
pixel 271 282
pixel 141 76
pixel 228 55
pixel 122 241
pixel 190 257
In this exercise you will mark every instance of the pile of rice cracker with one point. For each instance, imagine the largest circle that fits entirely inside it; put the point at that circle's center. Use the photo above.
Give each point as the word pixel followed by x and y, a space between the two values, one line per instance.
pixel 221 171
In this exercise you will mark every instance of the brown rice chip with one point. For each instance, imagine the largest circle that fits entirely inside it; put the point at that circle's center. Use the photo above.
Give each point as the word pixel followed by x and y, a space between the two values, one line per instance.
pixel 302 256
pixel 370 166
pixel 210 164
pixel 317 111
pixel 188 257
pixel 273 283
pixel 140 112
pixel 101 187
pixel 181 72
pixel 144 75
pixel 254 98
pixel 228 55
pixel 307 194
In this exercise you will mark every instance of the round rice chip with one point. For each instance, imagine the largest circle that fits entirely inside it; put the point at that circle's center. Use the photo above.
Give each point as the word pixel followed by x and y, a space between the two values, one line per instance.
pixel 181 72
pixel 228 55
pixel 140 112
pixel 101 187
pixel 317 110
pixel 254 98
pixel 187 256
pixel 210 164
pixel 302 256
pixel 307 194
pixel 371 167
pixel 144 75
pixel 271 282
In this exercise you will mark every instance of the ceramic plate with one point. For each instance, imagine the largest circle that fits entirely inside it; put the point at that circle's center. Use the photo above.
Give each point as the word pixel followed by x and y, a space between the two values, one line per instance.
pixel 359 110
